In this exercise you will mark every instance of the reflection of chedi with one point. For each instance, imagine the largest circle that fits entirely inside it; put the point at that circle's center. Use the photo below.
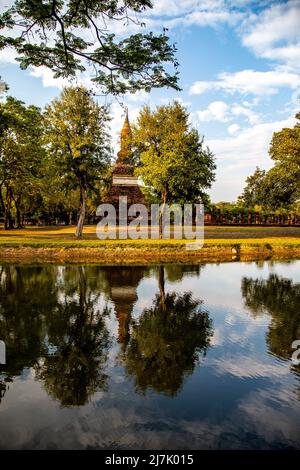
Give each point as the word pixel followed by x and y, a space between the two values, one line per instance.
pixel 123 284
pixel 124 182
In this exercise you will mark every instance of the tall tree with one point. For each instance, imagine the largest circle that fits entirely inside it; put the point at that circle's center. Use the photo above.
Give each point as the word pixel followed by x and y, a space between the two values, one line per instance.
pixel 285 151
pixel 280 186
pixel 77 135
pixel 21 153
pixel 253 193
pixel 172 157
pixel 69 36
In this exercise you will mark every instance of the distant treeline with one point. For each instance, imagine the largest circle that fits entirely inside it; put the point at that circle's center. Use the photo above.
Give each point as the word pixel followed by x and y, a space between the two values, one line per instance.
pixel 232 214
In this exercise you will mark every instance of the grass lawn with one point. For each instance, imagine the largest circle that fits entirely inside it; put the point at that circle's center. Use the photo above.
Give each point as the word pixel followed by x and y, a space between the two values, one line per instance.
pixel 219 235
pixel 59 245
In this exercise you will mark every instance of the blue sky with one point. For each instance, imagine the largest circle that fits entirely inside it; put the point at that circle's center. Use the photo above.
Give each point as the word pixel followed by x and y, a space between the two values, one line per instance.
pixel 239 74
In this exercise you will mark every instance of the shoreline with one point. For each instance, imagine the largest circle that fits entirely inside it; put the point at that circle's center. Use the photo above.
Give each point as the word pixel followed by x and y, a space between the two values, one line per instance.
pixel 149 255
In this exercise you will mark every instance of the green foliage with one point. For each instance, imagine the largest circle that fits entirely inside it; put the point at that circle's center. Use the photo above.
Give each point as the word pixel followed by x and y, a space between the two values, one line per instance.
pixel 279 188
pixel 279 298
pixel 172 159
pixel 253 193
pixel 167 341
pixel 285 151
pixel 21 157
pixel 77 133
pixel 78 143
pixel 70 36
pixel 64 338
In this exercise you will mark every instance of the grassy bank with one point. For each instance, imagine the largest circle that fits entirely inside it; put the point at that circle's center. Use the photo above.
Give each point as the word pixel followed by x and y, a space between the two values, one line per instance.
pixel 57 244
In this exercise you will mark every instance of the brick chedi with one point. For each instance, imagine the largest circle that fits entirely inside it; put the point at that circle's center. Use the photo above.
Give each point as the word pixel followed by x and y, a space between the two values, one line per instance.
pixel 124 183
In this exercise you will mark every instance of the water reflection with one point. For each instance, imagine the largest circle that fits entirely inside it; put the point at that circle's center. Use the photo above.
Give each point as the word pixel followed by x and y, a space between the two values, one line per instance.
pixel 280 298
pixel 167 341
pixel 139 336
pixel 51 322
pixel 121 289
pixel 53 325
pixel 79 335
pixel 22 316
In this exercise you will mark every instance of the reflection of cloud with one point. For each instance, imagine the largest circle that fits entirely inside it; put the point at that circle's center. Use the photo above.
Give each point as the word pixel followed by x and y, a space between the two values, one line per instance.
pixel 240 331
pixel 274 414
pixel 248 366
pixel 119 419
pixel 217 338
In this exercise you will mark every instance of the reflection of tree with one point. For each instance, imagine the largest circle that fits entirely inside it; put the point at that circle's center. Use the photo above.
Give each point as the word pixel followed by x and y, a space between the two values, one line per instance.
pixel 176 272
pixel 2 390
pixel 167 341
pixel 22 315
pixel 280 298
pixel 76 370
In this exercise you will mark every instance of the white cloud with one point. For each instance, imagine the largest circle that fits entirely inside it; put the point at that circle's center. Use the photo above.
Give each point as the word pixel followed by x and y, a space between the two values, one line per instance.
pixel 171 13
pixel 216 111
pixel 250 146
pixel 275 33
pixel 48 80
pixel 249 82
pixel 238 155
pixel 8 56
pixel 206 18
pixel 233 129
pixel 140 96
pixel 47 77
pixel 179 99
pixel 175 8
pixel 222 112
pixel 238 110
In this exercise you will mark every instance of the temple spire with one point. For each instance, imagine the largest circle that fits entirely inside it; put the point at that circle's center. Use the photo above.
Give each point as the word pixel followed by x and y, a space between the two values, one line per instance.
pixel 126 138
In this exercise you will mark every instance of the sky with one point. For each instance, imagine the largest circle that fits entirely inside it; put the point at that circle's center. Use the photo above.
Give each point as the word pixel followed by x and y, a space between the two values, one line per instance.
pixel 239 74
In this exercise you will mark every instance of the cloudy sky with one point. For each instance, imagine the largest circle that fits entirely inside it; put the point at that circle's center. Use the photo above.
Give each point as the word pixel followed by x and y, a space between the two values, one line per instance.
pixel 239 74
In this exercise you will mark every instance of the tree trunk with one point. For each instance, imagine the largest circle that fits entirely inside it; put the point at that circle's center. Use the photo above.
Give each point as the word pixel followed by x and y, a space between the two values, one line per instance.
pixel 18 213
pixel 161 282
pixel 83 198
pixel 161 213
pixel 8 220
pixel 1 200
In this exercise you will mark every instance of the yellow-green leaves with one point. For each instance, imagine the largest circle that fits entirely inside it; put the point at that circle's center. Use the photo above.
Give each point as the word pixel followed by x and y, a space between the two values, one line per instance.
pixel 172 160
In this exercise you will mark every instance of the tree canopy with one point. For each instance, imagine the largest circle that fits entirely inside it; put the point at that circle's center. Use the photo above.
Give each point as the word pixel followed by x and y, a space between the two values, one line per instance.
pixel 78 141
pixel 21 157
pixel 173 162
pixel 253 193
pixel 280 186
pixel 71 36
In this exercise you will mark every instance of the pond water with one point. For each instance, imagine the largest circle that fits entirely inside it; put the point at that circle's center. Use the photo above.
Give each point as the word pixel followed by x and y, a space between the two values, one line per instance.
pixel 173 357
